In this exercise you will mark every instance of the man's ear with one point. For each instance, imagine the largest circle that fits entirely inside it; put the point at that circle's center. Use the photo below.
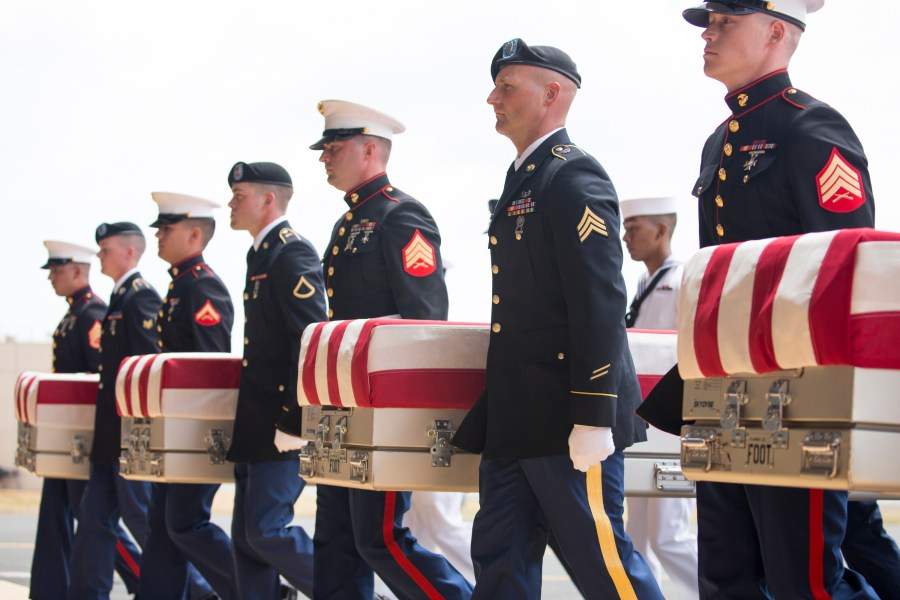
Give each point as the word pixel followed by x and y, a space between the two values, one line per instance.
pixel 551 93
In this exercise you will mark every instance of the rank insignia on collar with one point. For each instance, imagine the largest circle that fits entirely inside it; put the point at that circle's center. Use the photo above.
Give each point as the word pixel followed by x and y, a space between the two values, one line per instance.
pixel 840 185
pixel 558 151
pixel 419 258
pixel 287 233
pixel 207 316
pixel 591 223
pixel 148 323
pixel 303 289
pixel 94 335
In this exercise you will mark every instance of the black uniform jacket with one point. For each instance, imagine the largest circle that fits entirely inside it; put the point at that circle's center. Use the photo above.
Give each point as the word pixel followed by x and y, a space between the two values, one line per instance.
pixel 76 340
pixel 384 257
pixel 197 313
pixel 782 164
pixel 129 329
pixel 558 354
pixel 284 293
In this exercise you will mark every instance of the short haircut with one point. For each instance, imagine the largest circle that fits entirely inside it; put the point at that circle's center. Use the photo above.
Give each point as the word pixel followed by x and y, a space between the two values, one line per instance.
pixel 384 145
pixel 207 229
pixel 282 193
pixel 134 239
pixel 670 220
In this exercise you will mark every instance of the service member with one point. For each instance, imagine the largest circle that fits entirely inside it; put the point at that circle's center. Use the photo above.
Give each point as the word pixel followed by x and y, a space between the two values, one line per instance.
pixel 128 329
pixel 76 349
pixel 783 163
pixel 384 259
pixel 284 293
pixel 560 386
pixel 196 316
pixel 660 528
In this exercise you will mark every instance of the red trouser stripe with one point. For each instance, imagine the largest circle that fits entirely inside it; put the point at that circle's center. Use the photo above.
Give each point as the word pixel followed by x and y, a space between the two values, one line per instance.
pixel 128 558
pixel 387 528
pixel 816 547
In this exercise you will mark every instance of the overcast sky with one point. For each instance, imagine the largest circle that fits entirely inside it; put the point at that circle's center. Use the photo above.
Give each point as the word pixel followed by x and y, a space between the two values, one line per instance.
pixel 105 102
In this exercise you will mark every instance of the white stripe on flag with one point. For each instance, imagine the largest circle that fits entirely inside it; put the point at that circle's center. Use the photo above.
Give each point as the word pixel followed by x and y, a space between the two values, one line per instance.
pixel 322 363
pixel 687 312
pixel 872 291
pixel 344 362
pixel 735 307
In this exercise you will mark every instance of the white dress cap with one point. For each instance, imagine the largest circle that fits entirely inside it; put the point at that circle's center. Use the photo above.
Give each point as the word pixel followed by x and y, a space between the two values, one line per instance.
pixel 345 119
pixel 177 207
pixel 639 207
pixel 62 253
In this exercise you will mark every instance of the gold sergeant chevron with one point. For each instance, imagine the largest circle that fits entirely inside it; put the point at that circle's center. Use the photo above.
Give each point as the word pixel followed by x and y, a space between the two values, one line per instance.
pixel 591 223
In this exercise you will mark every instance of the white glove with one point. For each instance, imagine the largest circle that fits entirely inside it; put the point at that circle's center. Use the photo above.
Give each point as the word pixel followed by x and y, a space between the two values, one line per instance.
pixel 590 446
pixel 285 442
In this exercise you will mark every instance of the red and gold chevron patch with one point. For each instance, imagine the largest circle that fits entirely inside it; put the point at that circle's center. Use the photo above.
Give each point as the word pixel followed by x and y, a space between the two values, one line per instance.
pixel 840 185
pixel 207 316
pixel 418 256
pixel 94 335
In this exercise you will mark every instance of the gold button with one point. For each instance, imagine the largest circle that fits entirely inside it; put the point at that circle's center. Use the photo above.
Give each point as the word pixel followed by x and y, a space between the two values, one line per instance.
pixel 495 269
pixel 518 236
pixel 733 126
pixel 330 313
pixel 159 343
pixel 746 178
pixel 722 174
pixel 791 91
pixel 265 245
pixel 280 388
pixel 244 362
pixel 159 328
pixel 174 270
pixel 493 240
pixel 349 216
pixel 529 168
pixel 197 268
pixel 495 299
pixel 161 313
pixel 720 230
pixel 699 189
pixel 100 386
pixel 171 286
pixel 335 250
pixel 169 319
pixel 742 100
pixel 246 341
pixel 54 345
pixel 330 271
pixel 354 198
pixel 100 368
pixel 495 327
pixel 727 149
pixel 246 297
pixel 389 189
pixel 561 356
pixel 341 231
pixel 330 292
pixel 770 6
pixel 719 202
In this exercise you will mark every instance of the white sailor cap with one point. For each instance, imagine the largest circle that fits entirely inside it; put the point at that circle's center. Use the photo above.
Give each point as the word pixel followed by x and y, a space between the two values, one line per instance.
pixel 346 119
pixel 792 11
pixel 174 208
pixel 63 253
pixel 642 207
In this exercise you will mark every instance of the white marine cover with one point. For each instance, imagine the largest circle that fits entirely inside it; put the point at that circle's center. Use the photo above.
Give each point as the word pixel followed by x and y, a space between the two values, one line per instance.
pixel 399 363
pixel 828 298
pixel 56 400
pixel 193 385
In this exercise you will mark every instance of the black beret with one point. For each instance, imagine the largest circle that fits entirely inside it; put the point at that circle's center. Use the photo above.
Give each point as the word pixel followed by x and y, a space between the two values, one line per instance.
pixel 517 52
pixel 108 230
pixel 259 172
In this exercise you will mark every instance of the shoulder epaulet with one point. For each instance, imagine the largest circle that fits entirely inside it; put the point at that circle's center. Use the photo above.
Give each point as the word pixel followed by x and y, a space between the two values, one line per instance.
pixel 394 194
pixel 286 234
pixel 140 284
pixel 560 151
pixel 797 98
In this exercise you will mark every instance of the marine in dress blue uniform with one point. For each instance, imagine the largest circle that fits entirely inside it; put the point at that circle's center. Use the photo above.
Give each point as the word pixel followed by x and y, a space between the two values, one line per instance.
pixel 284 293
pixel 76 349
pixel 560 386
pixel 128 329
pixel 383 259
pixel 196 316
pixel 783 163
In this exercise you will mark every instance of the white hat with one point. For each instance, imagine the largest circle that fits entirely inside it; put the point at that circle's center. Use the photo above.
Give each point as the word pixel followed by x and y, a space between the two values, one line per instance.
pixel 63 253
pixel 641 207
pixel 178 207
pixel 346 119
pixel 793 11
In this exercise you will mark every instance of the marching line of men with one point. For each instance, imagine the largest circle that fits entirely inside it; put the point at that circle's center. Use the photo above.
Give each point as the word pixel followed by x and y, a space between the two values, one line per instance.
pixel 558 407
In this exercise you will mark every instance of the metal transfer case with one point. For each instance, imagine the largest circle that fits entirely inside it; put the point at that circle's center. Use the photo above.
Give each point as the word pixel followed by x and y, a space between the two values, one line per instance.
pixel 177 414
pixel 55 414
pixel 381 399
pixel 788 348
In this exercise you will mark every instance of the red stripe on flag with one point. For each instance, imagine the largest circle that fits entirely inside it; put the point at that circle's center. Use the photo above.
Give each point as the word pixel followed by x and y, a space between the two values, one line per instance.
pixel 816 547
pixel 28 387
pixel 129 373
pixel 200 373
pixel 128 558
pixel 769 271
pixel 143 385
pixel 874 340
pixel 67 392
pixel 425 388
pixel 706 323
pixel 308 378
pixel 647 383
pixel 334 345
pixel 387 529
pixel 359 363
